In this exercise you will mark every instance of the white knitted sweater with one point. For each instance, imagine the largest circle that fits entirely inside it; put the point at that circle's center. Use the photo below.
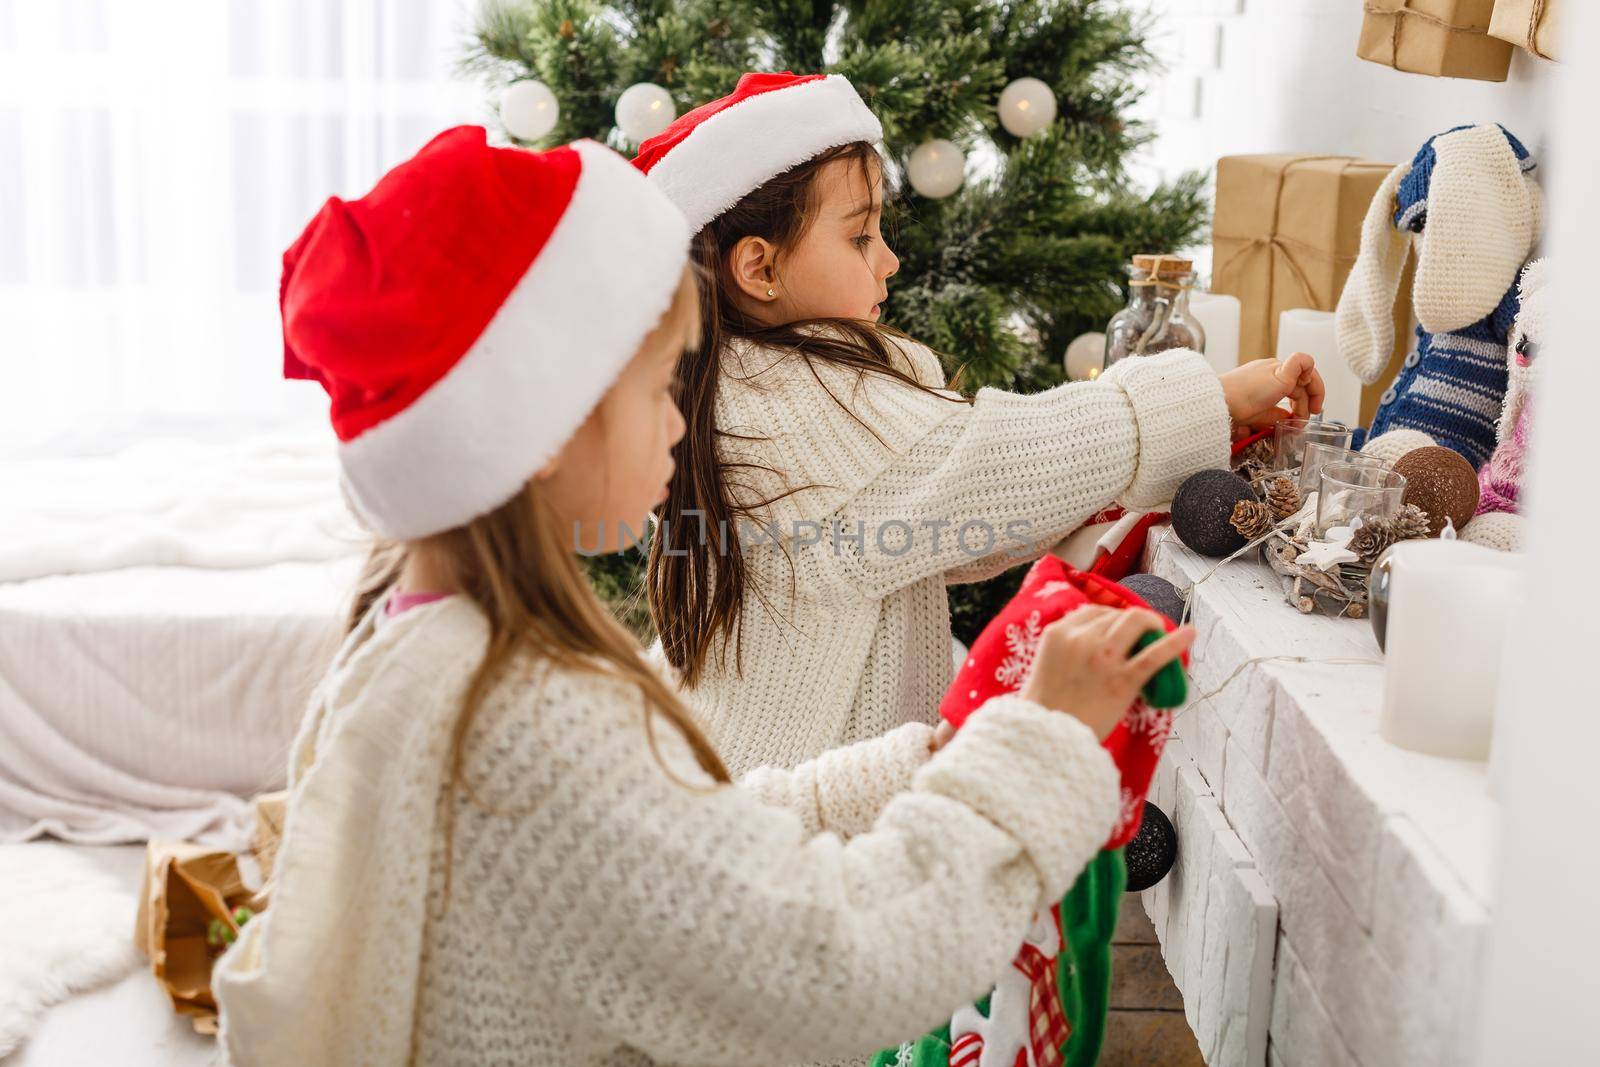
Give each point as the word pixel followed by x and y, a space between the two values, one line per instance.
pixel 606 914
pixel 846 640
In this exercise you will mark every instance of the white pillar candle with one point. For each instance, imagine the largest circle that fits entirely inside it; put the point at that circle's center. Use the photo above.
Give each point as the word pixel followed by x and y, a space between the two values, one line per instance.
pixel 1309 330
pixel 1449 603
pixel 1219 316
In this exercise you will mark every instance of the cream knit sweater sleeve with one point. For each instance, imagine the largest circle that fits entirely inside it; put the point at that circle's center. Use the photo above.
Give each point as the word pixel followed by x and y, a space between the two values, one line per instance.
pixel 843 790
pixel 1000 481
pixel 699 925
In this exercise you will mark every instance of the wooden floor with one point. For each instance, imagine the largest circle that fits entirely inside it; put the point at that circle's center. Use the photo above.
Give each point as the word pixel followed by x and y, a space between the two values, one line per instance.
pixel 1146 1027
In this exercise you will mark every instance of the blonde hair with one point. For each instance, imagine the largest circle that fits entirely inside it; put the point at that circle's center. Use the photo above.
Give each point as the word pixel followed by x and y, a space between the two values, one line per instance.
pixel 518 565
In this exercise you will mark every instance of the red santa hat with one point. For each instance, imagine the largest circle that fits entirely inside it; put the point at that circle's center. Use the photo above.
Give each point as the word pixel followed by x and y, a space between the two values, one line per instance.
pixel 711 157
pixel 467 314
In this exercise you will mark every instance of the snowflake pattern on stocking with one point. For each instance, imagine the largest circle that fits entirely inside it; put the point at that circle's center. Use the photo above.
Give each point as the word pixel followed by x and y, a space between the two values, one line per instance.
pixel 1132 808
pixel 1050 589
pixel 1152 723
pixel 1022 645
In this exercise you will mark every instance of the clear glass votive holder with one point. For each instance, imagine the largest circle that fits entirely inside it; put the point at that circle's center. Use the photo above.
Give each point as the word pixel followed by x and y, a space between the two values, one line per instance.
pixel 1317 456
pixel 1290 437
pixel 1346 492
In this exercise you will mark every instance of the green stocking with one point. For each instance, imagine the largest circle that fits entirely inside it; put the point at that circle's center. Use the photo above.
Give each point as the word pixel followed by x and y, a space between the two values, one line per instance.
pixel 1083 971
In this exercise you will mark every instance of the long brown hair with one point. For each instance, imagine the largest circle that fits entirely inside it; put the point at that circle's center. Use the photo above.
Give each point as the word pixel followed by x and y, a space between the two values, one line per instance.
pixel 697 590
pixel 518 565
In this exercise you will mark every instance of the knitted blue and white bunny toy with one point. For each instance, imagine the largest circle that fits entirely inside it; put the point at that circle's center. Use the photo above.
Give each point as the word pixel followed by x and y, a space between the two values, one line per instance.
pixel 1467 203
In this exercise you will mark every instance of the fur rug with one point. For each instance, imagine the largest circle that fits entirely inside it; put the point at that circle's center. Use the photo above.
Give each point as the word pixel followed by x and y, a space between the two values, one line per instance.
pixel 65 927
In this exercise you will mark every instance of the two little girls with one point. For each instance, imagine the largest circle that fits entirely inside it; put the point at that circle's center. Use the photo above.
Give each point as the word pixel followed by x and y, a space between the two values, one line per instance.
pixel 507 840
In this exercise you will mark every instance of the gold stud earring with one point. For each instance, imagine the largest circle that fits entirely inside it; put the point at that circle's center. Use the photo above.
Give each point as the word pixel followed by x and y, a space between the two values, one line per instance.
pixel 771 293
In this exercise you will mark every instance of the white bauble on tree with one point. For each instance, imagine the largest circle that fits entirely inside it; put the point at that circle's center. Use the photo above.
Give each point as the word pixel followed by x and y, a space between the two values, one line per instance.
pixel 1086 357
pixel 644 110
pixel 936 169
pixel 528 110
pixel 1027 106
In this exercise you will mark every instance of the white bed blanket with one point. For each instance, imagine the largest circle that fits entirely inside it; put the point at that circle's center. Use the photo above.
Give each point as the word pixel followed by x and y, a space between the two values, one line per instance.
pixel 152 701
pixel 175 502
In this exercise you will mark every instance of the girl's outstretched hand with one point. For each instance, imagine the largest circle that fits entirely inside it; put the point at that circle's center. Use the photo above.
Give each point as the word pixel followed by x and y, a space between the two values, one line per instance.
pixel 1084 667
pixel 1254 390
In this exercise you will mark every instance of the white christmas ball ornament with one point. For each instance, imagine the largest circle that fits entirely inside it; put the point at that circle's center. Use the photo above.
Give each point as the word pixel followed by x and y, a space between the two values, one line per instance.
pixel 1086 357
pixel 1027 106
pixel 644 110
pixel 528 109
pixel 936 168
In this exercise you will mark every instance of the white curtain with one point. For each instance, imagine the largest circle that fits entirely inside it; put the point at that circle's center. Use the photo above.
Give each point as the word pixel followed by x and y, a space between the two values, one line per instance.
pixel 156 157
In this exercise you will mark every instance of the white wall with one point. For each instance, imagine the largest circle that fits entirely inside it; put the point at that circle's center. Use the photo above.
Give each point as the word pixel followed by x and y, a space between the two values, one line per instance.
pixel 1282 76
pixel 1542 984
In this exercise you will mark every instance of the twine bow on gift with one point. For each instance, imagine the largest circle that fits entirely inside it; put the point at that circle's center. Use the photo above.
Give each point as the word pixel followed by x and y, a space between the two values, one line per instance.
pixel 1048 1028
pixel 1284 246
pixel 1279 244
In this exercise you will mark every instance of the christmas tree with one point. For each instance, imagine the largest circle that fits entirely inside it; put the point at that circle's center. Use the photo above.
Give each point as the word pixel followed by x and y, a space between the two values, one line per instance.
pixel 1001 274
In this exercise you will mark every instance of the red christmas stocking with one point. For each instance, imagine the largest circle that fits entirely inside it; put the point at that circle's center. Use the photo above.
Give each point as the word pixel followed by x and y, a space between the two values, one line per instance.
pixel 1048 1010
pixel 1003 654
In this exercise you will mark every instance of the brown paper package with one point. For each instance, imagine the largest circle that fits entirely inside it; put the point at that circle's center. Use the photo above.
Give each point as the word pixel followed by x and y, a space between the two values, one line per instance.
pixel 185 887
pixel 1531 24
pixel 1444 38
pixel 1285 235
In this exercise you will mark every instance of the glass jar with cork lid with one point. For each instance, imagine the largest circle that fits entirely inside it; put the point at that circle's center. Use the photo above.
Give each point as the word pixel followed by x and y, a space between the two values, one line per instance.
pixel 1157 316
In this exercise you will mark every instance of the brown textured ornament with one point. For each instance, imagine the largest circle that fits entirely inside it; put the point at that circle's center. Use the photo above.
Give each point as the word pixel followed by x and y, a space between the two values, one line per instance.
pixel 1440 482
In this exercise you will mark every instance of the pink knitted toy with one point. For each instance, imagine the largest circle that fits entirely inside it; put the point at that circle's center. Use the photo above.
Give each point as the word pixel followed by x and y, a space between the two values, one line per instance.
pixel 1500 478
pixel 1502 475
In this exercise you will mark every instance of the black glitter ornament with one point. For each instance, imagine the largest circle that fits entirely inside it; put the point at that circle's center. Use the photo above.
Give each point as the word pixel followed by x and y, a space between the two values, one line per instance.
pixel 1201 510
pixel 1157 592
pixel 1153 850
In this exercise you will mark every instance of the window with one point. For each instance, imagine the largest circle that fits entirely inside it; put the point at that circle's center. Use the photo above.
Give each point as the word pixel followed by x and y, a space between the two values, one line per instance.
pixel 156 157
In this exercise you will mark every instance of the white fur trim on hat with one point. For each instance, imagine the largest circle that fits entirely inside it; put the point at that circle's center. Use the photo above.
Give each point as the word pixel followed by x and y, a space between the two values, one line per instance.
pixel 600 284
pixel 741 148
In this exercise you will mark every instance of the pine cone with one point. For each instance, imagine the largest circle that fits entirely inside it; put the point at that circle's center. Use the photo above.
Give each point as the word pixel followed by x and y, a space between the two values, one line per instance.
pixel 1251 518
pixel 1370 540
pixel 1283 497
pixel 1253 470
pixel 1411 521
pixel 1257 456
pixel 1378 534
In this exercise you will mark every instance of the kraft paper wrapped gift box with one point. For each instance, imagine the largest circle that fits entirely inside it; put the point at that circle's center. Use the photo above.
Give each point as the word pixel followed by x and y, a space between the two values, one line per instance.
pixel 1285 235
pixel 1444 38
pixel 1534 25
